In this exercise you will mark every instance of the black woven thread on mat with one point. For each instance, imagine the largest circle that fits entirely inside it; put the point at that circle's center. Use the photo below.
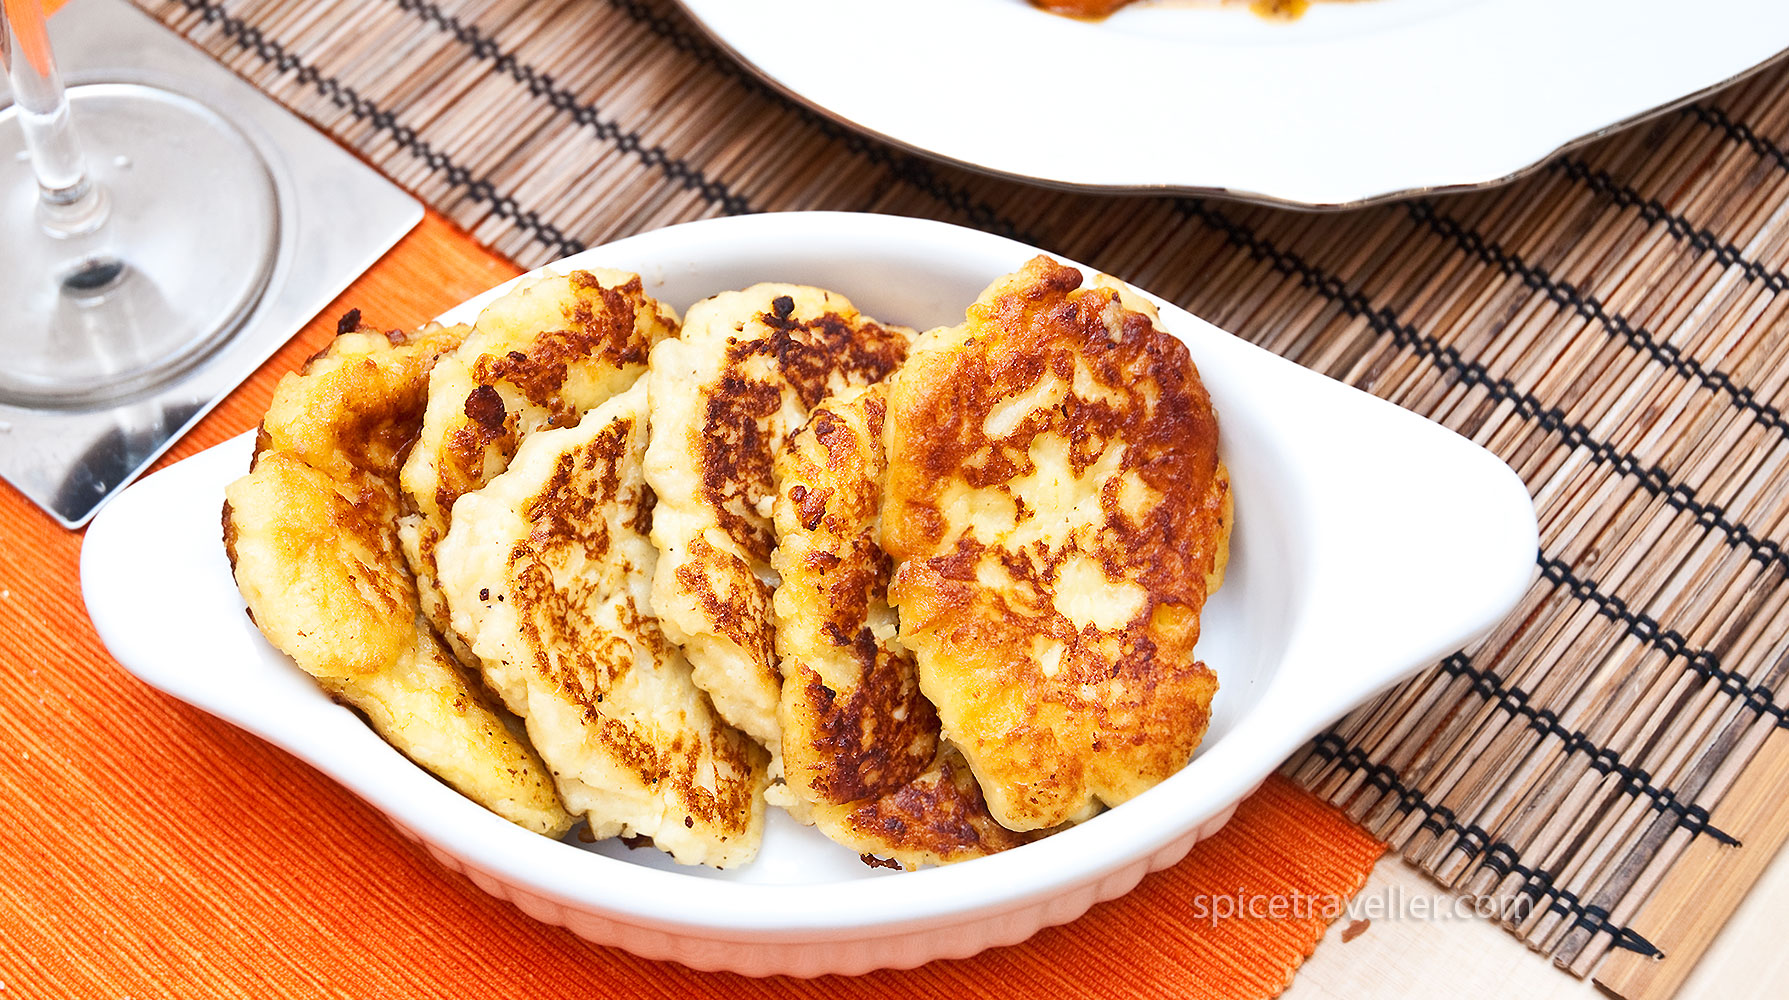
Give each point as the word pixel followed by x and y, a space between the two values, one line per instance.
pixel 1589 307
pixel 912 170
pixel 1499 856
pixel 483 192
pixel 1651 477
pixel 1437 819
pixel 908 169
pixel 1635 781
pixel 1738 132
pixel 480 190
pixel 486 49
pixel 1668 641
pixel 1654 213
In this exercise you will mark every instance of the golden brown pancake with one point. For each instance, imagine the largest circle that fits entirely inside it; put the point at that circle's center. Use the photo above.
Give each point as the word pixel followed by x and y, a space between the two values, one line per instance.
pixel 860 742
pixel 540 356
pixel 1059 514
pixel 312 538
pixel 725 397
pixel 548 573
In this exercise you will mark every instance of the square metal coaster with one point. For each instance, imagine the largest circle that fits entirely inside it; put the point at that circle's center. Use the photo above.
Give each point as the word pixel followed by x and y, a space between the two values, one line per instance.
pixel 337 216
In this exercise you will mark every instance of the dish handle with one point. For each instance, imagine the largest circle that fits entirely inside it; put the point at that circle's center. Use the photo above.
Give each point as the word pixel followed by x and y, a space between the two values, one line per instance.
pixel 1404 561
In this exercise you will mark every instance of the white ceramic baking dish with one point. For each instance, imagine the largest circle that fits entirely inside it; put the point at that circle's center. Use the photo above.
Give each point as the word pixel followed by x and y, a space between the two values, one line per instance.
pixel 1368 543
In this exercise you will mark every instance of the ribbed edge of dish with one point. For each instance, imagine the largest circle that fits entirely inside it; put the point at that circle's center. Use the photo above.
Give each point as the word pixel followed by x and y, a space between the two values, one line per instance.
pixel 807 959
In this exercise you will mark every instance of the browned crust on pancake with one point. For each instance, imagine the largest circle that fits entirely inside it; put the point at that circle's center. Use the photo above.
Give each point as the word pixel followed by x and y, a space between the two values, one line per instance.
pixel 881 733
pixel 865 760
pixel 539 356
pixel 741 615
pixel 339 430
pixel 568 525
pixel 538 375
pixel 748 368
pixel 1123 707
pixel 364 420
pixel 813 355
pixel 312 538
pixel 860 740
pixel 937 817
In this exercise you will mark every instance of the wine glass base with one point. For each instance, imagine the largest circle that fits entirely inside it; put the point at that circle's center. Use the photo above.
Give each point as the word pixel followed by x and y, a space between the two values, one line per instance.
pixel 336 217
pixel 182 258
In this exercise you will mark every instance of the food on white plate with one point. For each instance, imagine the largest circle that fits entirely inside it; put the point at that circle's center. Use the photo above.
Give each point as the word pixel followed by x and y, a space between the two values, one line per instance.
pixel 1059 515
pixel 725 397
pixel 547 571
pixel 937 596
pixel 540 356
pixel 861 751
pixel 311 533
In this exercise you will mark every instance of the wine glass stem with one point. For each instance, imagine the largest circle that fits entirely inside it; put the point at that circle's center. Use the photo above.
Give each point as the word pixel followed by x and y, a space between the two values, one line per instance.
pixel 69 203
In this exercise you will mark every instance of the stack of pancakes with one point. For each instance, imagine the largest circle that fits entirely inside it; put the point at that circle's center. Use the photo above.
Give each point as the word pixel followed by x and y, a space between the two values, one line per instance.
pixel 936 595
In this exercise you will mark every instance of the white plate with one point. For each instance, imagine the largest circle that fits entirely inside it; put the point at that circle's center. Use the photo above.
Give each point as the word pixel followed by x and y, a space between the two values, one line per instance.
pixel 1368 543
pixel 1351 103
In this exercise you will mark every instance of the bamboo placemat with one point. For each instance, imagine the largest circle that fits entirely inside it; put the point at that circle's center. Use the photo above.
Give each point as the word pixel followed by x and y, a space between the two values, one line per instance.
pixel 1610 326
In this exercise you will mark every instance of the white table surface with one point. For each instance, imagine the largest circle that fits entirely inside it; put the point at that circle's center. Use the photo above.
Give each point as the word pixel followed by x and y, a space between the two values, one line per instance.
pixel 1472 958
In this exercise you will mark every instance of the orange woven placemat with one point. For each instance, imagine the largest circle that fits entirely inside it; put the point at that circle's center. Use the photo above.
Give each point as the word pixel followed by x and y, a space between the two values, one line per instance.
pixel 147 849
